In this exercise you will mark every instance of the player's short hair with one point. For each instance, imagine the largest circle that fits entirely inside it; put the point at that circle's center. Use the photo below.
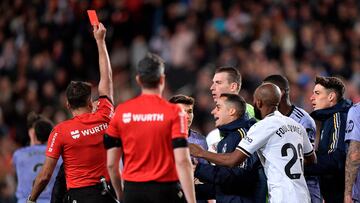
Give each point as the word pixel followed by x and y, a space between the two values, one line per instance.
pixel 78 94
pixel 182 99
pixel 332 84
pixel 280 81
pixel 32 118
pixel 238 102
pixel 233 74
pixel 150 70
pixel 43 128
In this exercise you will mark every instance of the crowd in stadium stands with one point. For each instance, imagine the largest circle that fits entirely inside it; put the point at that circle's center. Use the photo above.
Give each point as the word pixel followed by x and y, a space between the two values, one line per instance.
pixel 44 44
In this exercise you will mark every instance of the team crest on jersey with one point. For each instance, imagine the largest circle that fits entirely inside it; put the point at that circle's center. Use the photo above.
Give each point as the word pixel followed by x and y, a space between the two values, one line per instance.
pixel 349 126
pixel 126 117
pixel 75 134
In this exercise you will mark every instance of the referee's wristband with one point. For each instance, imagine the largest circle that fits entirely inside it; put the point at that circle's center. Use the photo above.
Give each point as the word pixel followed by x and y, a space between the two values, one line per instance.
pixel 29 201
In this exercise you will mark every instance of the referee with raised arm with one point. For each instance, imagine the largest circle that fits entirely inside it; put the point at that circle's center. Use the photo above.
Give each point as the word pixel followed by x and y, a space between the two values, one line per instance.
pixel 79 140
pixel 150 134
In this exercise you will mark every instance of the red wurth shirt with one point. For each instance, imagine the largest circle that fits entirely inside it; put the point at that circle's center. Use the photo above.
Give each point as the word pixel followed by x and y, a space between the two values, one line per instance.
pixel 80 143
pixel 146 126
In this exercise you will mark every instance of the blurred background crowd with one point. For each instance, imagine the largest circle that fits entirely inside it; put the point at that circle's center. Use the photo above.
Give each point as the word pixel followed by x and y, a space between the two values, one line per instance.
pixel 44 44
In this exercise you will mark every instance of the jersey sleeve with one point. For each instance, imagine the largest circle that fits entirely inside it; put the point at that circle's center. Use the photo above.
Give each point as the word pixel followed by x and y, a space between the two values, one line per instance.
pixel 179 128
pixel 113 128
pixel 54 146
pixel 352 131
pixel 310 127
pixel 307 146
pixel 104 109
pixel 256 138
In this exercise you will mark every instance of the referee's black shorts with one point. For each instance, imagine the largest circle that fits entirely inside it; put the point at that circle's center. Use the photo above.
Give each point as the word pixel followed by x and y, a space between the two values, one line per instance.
pixel 153 192
pixel 90 194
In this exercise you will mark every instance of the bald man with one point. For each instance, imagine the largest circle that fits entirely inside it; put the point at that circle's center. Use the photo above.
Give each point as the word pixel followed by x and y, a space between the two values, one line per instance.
pixel 281 143
pixel 302 117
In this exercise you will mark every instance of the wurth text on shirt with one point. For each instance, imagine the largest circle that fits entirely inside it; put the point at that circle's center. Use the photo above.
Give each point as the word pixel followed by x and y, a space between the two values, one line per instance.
pixel 75 134
pixel 150 117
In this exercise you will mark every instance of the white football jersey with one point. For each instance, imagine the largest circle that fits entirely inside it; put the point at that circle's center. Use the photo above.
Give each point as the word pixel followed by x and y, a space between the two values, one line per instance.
pixel 281 144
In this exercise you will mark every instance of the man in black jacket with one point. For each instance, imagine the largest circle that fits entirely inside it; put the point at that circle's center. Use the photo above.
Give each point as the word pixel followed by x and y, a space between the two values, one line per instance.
pixel 330 113
pixel 243 183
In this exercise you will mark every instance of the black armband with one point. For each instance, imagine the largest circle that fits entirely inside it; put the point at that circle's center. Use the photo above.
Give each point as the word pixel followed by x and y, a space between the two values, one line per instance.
pixel 110 142
pixel 179 142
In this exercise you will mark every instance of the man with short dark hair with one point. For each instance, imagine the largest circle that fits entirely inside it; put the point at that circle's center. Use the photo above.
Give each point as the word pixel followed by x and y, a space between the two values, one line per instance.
pixel 186 103
pixel 281 144
pixel 79 141
pixel 233 125
pixel 330 113
pixel 29 160
pixel 302 117
pixel 150 134
pixel 226 79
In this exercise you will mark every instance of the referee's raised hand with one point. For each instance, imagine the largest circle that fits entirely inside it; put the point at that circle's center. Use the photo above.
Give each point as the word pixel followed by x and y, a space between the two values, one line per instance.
pixel 99 32
pixel 105 87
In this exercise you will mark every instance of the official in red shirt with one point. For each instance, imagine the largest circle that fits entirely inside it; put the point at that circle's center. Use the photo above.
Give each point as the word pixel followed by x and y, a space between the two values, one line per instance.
pixel 80 140
pixel 150 134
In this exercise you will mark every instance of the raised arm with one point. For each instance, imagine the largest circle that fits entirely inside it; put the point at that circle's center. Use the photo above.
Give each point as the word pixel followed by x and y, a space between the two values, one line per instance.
pixel 105 87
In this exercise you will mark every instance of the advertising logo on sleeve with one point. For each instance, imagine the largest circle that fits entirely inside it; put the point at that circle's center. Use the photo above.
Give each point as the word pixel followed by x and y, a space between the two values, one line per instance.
pixel 52 142
pixel 248 139
pixel 349 126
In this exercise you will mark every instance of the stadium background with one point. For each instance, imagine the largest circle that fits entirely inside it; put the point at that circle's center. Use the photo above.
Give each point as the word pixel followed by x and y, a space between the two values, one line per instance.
pixel 46 43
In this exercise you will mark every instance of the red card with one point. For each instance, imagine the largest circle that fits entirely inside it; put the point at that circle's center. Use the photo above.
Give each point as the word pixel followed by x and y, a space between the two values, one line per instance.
pixel 93 17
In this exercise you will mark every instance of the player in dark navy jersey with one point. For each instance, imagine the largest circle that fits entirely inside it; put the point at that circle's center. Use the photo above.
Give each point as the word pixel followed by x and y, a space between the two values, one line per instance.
pixel 186 103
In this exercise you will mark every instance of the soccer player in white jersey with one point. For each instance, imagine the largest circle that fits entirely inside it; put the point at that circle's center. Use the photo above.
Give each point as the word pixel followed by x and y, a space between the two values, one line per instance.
pixel 302 117
pixel 281 143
